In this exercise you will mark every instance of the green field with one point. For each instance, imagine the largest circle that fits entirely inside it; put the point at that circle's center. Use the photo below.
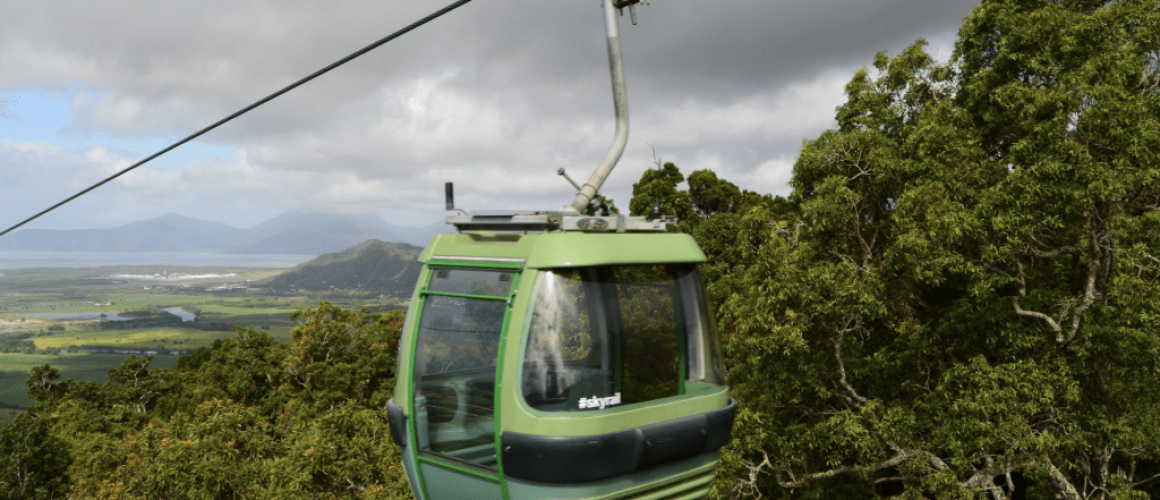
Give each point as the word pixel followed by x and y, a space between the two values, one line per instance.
pixel 163 338
pixel 24 291
pixel 7 416
pixel 101 290
pixel 270 315
pixel 14 370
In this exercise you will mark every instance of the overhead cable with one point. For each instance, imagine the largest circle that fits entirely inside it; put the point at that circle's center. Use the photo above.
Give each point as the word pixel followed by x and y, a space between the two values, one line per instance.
pixel 246 109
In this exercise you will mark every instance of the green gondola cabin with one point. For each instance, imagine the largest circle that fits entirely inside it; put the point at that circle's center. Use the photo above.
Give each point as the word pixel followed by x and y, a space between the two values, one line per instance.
pixel 561 354
pixel 565 364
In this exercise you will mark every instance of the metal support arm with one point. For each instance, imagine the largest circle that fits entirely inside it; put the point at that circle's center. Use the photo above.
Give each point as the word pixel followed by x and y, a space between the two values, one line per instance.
pixel 620 98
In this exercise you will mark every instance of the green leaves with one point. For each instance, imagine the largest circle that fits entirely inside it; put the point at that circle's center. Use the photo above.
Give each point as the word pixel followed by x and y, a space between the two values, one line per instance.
pixel 34 463
pixel 961 299
pixel 658 189
pixel 246 418
pixel 339 354
pixel 710 196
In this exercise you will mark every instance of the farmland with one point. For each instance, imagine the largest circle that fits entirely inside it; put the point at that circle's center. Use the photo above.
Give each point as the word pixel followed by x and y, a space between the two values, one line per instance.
pixel 86 321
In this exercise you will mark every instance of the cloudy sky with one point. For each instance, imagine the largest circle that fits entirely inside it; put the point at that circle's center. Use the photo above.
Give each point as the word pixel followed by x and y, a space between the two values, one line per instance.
pixel 495 96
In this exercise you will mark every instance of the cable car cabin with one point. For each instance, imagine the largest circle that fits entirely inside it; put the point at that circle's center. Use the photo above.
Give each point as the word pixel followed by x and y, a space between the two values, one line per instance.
pixel 563 363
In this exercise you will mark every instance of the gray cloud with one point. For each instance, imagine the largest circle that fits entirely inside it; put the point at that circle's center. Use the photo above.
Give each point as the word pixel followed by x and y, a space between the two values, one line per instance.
pixel 496 95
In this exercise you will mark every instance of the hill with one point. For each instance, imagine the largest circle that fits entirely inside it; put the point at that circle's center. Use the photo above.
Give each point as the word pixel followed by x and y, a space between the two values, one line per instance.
pixel 375 266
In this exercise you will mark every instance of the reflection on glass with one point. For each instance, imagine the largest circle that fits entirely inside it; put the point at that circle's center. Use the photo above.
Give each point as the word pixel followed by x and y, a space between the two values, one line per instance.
pixel 455 363
pixel 457 333
pixel 651 332
pixel 606 336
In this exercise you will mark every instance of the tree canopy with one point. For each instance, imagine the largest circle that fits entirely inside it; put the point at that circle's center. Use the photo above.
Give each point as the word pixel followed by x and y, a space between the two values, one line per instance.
pixel 246 418
pixel 959 299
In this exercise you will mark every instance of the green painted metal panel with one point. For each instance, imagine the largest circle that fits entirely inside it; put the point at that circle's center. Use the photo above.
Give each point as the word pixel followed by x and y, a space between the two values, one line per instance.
pixel 498 392
pixel 407 344
pixel 445 483
pixel 484 264
pixel 689 476
pixel 411 468
pixel 519 417
pixel 468 469
pixel 547 250
pixel 466 296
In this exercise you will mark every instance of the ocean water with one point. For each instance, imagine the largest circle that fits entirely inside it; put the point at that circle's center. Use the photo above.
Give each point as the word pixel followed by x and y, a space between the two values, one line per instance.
pixel 26 260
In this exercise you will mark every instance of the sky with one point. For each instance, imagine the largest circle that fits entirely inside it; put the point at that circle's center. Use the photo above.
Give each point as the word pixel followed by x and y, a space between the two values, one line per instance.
pixel 495 96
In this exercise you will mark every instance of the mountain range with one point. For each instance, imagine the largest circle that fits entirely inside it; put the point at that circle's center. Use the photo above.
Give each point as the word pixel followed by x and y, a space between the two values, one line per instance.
pixel 290 233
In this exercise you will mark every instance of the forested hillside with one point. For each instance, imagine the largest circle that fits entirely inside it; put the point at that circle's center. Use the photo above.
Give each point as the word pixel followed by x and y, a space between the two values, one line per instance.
pixel 373 266
pixel 958 300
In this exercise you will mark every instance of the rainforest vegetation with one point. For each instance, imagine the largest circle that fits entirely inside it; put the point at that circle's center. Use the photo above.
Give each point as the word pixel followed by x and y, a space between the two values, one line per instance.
pixel 959 299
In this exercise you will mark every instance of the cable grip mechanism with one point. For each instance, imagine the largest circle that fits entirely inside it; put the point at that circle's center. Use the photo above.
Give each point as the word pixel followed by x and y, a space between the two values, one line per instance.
pixel 631 4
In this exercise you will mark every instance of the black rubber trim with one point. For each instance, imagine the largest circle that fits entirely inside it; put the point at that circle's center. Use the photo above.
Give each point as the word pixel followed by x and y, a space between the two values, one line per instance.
pixel 398 423
pixel 556 459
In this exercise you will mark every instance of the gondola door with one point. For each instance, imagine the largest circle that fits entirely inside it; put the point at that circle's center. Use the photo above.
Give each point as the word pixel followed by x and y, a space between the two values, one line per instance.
pixel 465 310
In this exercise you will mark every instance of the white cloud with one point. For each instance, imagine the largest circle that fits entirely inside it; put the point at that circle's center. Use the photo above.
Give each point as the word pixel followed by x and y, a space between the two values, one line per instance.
pixel 106 162
pixel 802 109
pixel 39 148
pixel 771 177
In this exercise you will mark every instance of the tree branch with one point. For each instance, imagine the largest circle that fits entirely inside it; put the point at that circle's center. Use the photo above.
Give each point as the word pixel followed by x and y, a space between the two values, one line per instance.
pixel 980 481
pixel 867 248
pixel 795 482
pixel 1066 490
pixel 1089 290
pixel 1138 483
pixel 1021 279
pixel 791 236
pixel 858 400
pixel 743 487
pixel 986 482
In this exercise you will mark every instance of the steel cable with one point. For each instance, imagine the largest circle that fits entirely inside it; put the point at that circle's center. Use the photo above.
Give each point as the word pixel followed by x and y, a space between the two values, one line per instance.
pixel 246 109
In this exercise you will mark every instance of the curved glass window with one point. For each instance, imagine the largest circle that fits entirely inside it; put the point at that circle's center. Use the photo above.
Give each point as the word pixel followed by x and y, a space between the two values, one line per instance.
pixel 460 326
pixel 609 336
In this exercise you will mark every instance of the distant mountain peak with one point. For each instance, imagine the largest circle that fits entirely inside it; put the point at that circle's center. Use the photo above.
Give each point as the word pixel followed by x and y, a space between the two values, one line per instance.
pixel 303 233
pixel 177 216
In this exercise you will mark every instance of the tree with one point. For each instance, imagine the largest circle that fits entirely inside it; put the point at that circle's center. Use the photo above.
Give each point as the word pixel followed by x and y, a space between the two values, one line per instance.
pixel 340 355
pixel 340 375
pixel 658 189
pixel 33 462
pixel 246 369
pixel 961 301
pixel 218 450
pixel 709 195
